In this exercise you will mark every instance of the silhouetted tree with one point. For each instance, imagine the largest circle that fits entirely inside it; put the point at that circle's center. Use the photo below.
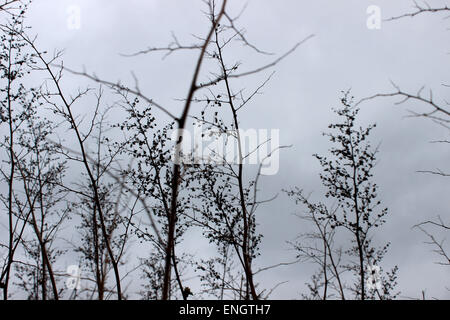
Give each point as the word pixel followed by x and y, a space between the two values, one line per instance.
pixel 151 172
pixel 319 247
pixel 16 62
pixel 40 170
pixel 434 109
pixel 348 178
pixel 209 46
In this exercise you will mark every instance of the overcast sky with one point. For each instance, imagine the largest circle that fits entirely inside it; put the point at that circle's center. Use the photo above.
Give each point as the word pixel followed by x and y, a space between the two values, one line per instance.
pixel 343 54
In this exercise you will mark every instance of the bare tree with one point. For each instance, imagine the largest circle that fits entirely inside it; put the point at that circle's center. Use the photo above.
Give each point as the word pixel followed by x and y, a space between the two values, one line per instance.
pixel 16 63
pixel 40 171
pixel 64 109
pixel 439 245
pixel 117 207
pixel 348 179
pixel 221 277
pixel 229 202
pixel 206 46
pixel 434 108
pixel 434 240
pixel 318 246
pixel 151 173
pixel 181 124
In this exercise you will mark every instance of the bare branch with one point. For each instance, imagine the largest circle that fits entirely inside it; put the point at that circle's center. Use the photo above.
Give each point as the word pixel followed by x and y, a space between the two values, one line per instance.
pixel 420 9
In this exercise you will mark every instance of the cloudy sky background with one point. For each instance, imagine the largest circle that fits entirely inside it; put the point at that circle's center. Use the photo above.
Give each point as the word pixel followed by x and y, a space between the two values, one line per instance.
pixel 343 54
